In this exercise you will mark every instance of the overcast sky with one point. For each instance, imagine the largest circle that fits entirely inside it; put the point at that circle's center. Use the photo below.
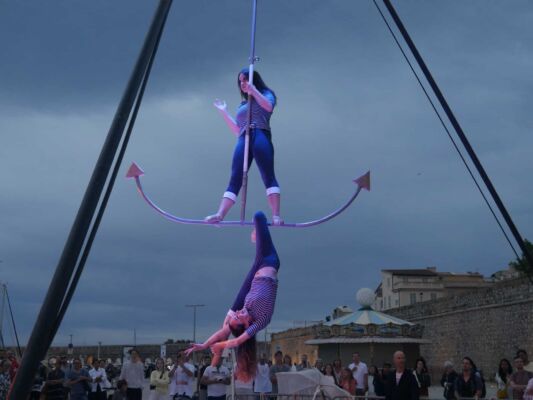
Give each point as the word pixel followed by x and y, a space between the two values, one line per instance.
pixel 347 103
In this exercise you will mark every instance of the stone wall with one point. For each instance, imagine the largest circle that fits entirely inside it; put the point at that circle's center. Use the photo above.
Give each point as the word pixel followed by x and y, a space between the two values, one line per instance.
pixel 486 324
pixel 292 342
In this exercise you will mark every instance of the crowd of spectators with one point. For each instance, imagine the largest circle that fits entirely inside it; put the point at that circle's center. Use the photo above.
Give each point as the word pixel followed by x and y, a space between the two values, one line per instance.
pixel 178 378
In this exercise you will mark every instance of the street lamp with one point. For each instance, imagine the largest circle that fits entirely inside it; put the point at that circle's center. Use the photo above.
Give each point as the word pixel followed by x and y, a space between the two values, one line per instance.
pixel 70 349
pixel 194 307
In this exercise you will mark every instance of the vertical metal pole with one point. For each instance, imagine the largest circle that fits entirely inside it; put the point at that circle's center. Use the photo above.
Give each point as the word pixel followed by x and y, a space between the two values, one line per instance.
pixel 233 368
pixel 194 307
pixel 19 351
pixel 37 347
pixel 249 116
pixel 2 308
pixel 460 133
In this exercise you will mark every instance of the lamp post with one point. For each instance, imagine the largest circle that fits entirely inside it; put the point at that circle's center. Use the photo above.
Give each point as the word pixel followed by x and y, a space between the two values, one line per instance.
pixel 194 307
pixel 70 349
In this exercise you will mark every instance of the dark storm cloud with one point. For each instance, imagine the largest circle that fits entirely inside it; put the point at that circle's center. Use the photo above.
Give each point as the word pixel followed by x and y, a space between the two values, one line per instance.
pixel 347 103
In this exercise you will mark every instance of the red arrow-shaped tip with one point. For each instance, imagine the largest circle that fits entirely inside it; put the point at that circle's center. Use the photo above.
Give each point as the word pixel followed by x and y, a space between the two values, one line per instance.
pixel 363 181
pixel 134 171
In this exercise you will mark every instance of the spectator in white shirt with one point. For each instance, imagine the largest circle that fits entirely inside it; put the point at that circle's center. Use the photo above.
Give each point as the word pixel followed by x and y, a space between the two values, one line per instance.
pixel 217 378
pixel 181 377
pixel 99 382
pixel 262 382
pixel 133 373
pixel 360 373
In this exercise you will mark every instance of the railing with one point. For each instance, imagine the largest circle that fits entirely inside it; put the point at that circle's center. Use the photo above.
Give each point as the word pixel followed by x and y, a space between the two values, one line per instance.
pixel 413 285
pixel 324 396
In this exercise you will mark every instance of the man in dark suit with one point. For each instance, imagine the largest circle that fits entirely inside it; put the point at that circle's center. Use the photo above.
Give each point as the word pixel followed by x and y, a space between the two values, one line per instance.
pixel 401 383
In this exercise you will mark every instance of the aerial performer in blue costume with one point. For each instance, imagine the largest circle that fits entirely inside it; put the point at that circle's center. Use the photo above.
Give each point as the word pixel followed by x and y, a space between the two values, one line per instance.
pixel 253 307
pixel 251 125
pixel 263 101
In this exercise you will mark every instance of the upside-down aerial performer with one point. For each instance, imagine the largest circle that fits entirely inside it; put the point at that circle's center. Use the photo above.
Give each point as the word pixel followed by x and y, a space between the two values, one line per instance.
pixel 253 307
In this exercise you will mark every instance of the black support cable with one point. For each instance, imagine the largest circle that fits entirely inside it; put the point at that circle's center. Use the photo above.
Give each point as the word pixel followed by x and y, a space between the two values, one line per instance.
pixel 13 322
pixel 444 104
pixel 447 132
pixel 37 347
pixel 107 194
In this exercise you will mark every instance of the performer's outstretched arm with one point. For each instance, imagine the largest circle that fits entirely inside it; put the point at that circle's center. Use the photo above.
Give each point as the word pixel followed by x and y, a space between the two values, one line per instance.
pixel 220 335
pixel 222 108
pixel 218 347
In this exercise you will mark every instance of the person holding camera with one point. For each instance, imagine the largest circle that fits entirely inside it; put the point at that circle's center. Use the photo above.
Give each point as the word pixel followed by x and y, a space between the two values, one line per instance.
pixel 181 377
pixel 217 378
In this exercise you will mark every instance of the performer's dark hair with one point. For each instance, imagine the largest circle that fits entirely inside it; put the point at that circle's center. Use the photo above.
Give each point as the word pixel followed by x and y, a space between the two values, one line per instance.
pixel 246 355
pixel 257 82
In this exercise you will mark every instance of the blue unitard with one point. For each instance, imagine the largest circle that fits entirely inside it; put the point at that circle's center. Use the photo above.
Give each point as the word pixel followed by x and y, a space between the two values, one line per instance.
pixel 260 148
pixel 258 294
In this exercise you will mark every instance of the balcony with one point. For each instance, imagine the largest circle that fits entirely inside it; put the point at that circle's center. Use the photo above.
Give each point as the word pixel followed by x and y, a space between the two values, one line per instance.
pixel 417 285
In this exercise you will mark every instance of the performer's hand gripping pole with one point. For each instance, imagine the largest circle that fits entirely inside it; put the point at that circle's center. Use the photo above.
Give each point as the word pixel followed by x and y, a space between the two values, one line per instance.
pixel 249 117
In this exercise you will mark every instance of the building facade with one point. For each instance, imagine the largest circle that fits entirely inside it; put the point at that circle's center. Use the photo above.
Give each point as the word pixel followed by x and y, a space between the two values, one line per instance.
pixel 403 287
pixel 375 335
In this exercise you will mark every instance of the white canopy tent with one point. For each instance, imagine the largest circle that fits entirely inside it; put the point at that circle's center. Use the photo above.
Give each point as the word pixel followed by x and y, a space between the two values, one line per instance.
pixel 309 382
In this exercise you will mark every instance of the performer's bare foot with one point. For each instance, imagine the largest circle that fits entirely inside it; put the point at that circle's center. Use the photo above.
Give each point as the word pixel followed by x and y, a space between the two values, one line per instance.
pixel 213 219
pixel 225 205
pixel 276 220
pixel 274 203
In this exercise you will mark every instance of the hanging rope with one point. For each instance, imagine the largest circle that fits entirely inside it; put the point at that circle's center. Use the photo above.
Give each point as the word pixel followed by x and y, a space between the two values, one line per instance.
pixel 447 131
pixel 13 321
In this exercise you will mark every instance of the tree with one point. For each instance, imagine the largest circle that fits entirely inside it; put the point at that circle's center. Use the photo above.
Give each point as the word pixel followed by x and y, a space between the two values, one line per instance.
pixel 521 265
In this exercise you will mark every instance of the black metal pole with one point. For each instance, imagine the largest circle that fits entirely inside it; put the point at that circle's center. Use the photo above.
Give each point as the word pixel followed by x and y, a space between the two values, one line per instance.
pixel 460 133
pixel 37 347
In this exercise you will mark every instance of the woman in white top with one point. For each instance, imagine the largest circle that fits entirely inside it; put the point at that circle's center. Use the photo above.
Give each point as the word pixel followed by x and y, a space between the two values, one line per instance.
pixel 159 381
pixel 262 382
pixel 503 380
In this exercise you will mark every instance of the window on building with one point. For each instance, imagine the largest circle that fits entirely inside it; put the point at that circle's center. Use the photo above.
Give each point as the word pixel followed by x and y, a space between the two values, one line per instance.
pixel 412 297
pixel 433 296
pixel 381 308
pixel 405 279
pixel 388 282
pixel 425 280
pixel 396 302
pixel 389 302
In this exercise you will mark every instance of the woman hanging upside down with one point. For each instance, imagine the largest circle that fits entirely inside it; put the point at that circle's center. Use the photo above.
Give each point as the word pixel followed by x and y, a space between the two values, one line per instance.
pixel 261 148
pixel 253 307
